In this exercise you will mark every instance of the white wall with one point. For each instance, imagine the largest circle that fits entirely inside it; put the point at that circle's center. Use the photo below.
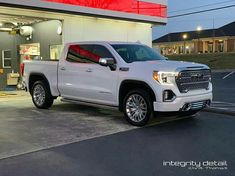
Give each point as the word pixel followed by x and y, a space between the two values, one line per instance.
pixel 80 28
pixel 96 29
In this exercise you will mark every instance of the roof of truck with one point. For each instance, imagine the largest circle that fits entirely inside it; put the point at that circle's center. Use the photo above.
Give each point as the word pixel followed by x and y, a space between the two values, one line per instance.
pixel 103 42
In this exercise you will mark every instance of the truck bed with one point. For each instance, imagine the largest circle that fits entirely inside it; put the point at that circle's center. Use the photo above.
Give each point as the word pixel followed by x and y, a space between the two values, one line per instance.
pixel 48 68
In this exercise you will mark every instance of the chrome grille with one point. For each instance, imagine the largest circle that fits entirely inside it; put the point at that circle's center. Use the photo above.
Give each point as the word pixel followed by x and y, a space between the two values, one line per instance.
pixel 193 80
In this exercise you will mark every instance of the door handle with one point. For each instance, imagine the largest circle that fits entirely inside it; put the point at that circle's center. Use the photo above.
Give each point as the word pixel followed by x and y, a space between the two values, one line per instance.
pixel 89 70
pixel 63 68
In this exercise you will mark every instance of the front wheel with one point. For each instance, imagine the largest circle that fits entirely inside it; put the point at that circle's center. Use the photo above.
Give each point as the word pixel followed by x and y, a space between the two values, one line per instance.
pixel 41 95
pixel 137 107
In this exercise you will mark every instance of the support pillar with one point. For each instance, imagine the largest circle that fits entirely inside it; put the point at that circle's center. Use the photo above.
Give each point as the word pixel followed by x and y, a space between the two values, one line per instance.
pixel 225 46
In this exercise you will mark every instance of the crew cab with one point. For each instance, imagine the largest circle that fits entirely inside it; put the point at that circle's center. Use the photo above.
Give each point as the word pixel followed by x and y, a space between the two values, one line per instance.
pixel 129 76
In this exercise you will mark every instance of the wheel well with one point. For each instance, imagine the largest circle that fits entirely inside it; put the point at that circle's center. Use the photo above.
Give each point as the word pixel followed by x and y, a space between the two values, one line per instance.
pixel 129 85
pixel 37 77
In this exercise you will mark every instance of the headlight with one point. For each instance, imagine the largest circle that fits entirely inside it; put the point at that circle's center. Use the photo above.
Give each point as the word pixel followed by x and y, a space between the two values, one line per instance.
pixel 164 77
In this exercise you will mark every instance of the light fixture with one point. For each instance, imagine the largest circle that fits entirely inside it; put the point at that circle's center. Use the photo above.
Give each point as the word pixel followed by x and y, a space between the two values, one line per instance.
pixel 59 30
pixel 199 28
pixel 1 24
pixel 185 36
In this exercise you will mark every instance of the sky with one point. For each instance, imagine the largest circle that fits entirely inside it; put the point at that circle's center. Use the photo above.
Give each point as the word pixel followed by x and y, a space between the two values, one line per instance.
pixel 188 23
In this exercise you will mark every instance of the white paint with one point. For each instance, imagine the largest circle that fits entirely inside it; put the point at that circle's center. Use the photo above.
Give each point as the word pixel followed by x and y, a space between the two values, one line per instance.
pixel 88 86
pixel 227 103
pixel 76 29
pixel 228 75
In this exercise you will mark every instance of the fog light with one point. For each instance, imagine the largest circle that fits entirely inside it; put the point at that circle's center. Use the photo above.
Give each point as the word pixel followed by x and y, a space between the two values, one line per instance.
pixel 168 96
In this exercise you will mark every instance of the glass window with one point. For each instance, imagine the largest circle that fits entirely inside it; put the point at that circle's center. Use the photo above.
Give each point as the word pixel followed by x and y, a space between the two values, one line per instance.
pixel 137 53
pixel 87 53
pixel 55 52
pixel 6 59
pixel 102 51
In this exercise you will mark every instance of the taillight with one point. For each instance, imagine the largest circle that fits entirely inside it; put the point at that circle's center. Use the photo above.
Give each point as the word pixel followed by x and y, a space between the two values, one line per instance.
pixel 22 69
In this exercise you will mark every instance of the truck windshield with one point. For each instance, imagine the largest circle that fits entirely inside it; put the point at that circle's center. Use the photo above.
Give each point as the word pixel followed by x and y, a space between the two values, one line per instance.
pixel 136 53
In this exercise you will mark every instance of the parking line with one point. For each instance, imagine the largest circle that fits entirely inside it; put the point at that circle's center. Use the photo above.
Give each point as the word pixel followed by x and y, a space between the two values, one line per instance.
pixel 221 102
pixel 228 75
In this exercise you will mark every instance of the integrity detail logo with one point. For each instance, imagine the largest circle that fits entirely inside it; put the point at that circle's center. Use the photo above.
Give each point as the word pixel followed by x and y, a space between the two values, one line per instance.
pixel 197 165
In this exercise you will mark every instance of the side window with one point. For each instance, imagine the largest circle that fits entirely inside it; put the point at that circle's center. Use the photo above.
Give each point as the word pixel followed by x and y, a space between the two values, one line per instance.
pixel 87 53
pixel 82 54
pixel 102 52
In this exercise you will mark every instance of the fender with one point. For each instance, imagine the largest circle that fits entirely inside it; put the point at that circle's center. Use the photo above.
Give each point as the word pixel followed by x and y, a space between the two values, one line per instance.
pixel 37 75
pixel 131 85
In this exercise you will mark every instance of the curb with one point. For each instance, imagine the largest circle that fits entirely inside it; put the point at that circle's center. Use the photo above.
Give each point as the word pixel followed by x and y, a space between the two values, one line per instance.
pixel 219 111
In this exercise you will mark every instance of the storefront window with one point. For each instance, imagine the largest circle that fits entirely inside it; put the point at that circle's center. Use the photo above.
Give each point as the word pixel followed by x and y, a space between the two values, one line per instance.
pixel 30 51
pixel 55 51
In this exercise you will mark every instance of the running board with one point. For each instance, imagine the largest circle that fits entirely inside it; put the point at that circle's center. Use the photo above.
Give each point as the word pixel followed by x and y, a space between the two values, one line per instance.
pixel 89 104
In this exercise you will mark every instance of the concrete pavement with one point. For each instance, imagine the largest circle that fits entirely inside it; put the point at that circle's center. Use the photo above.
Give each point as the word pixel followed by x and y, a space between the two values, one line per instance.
pixel 138 152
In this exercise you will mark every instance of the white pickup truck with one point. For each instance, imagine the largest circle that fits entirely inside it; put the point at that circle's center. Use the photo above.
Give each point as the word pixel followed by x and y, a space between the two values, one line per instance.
pixel 129 76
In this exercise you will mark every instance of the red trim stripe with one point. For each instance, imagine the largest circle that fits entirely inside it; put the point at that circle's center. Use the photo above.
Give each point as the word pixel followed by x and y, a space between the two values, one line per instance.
pixel 128 6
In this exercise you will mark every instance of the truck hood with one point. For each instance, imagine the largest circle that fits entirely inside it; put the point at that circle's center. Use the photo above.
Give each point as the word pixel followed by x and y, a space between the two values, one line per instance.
pixel 165 65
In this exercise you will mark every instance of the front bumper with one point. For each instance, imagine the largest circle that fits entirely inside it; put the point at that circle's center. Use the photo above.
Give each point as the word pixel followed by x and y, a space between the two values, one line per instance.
pixel 179 103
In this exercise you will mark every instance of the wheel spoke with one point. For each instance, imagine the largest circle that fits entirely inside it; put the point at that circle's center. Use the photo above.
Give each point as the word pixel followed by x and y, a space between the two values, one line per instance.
pixel 136 108
pixel 39 95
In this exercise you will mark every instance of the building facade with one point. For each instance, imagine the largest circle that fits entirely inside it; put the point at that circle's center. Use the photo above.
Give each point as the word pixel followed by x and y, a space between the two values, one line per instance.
pixel 37 30
pixel 201 41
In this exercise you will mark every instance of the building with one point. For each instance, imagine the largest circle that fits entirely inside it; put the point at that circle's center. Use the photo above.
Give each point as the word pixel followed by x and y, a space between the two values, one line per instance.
pixel 199 41
pixel 38 29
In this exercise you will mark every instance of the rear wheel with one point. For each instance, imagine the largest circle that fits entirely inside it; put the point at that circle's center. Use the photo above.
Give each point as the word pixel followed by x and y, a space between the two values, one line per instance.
pixel 137 106
pixel 41 95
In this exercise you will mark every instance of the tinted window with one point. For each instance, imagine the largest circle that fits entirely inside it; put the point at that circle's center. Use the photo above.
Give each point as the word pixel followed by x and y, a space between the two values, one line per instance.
pixel 137 53
pixel 102 51
pixel 87 53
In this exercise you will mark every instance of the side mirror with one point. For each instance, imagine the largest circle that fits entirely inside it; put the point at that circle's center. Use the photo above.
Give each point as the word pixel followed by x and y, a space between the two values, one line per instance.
pixel 108 62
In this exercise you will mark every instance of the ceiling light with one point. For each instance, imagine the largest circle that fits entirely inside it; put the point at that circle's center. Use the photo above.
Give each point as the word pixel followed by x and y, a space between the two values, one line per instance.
pixel 1 24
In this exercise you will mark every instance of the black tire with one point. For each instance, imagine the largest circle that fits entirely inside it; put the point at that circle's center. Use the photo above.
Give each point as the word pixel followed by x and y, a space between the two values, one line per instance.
pixel 46 100
pixel 148 107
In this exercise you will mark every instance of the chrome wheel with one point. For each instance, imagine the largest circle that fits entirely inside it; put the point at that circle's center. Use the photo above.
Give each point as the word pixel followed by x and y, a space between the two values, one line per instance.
pixel 136 108
pixel 39 95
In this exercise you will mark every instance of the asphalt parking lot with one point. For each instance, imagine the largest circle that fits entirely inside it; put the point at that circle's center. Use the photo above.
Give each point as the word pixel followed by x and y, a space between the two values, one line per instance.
pixel 76 140
pixel 224 94
pixel 224 85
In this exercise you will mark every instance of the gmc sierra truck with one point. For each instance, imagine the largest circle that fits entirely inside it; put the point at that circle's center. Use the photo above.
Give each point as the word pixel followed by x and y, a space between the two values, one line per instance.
pixel 129 76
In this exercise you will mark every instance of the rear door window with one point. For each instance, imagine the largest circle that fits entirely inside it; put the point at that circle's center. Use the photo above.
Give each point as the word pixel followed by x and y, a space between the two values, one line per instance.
pixel 82 54
pixel 87 53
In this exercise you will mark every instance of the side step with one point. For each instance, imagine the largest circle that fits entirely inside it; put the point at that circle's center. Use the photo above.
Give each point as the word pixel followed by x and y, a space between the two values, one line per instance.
pixel 89 104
